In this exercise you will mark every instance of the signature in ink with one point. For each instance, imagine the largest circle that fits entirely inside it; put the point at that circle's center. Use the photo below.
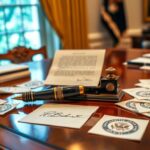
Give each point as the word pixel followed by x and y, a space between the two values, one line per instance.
pixel 83 79
pixel 59 114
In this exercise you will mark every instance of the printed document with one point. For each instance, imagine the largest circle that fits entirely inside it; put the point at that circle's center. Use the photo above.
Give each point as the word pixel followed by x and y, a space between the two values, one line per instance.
pixel 76 67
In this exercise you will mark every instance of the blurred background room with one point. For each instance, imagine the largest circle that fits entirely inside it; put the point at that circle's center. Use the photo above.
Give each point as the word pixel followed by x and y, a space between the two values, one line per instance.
pixel 77 24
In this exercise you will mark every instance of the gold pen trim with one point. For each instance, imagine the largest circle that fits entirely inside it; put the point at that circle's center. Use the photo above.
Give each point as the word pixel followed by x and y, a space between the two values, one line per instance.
pixel 55 93
pixel 60 93
pixel 32 97
pixel 81 89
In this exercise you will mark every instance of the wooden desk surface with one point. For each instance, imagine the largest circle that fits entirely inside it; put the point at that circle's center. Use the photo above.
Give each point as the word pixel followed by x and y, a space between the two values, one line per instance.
pixel 15 135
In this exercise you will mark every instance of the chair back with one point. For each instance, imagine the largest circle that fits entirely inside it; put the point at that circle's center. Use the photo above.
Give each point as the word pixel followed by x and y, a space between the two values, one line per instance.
pixel 22 54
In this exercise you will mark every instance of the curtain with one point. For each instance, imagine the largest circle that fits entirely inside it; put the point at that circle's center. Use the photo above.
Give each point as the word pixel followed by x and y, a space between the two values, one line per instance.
pixel 68 18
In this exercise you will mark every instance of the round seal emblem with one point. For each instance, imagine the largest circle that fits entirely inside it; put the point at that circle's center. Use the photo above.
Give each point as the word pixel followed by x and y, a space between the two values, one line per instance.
pixel 143 93
pixel 131 105
pixel 145 105
pixel 120 126
pixel 5 107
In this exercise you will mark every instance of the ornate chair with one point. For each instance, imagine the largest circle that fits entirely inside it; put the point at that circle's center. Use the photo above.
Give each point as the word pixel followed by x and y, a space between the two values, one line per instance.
pixel 22 54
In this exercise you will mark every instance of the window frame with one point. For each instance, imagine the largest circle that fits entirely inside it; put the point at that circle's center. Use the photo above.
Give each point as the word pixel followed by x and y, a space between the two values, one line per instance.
pixel 41 23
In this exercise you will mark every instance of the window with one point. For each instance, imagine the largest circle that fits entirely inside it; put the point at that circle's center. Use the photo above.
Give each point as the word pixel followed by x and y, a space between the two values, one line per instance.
pixel 19 24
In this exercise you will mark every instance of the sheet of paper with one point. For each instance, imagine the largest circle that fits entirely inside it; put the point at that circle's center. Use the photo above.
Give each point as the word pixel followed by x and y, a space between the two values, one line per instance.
pixel 132 106
pixel 146 114
pixel 120 127
pixel 143 85
pixel 4 108
pixel 143 107
pixel 146 55
pixel 145 68
pixel 14 90
pixel 128 104
pixel 12 67
pixel 76 67
pixel 2 101
pixel 32 84
pixel 141 60
pixel 145 81
pixel 139 93
pixel 73 116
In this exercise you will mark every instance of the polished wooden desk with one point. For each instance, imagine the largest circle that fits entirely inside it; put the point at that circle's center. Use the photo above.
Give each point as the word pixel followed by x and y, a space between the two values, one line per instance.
pixel 15 135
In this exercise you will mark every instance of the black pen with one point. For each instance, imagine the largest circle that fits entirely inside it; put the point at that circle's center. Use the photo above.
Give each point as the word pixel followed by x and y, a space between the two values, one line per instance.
pixel 56 93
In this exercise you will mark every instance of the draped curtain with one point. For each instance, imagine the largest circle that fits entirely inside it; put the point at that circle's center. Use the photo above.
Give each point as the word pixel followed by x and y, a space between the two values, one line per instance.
pixel 68 18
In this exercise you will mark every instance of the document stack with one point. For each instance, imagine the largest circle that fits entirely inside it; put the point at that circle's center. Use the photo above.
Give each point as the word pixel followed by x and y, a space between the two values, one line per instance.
pixel 13 71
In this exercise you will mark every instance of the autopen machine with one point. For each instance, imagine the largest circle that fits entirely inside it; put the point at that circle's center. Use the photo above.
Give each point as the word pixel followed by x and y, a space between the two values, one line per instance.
pixel 107 90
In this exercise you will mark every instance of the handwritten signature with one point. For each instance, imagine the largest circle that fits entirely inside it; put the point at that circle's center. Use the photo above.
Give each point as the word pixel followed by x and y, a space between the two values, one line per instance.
pixel 59 114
